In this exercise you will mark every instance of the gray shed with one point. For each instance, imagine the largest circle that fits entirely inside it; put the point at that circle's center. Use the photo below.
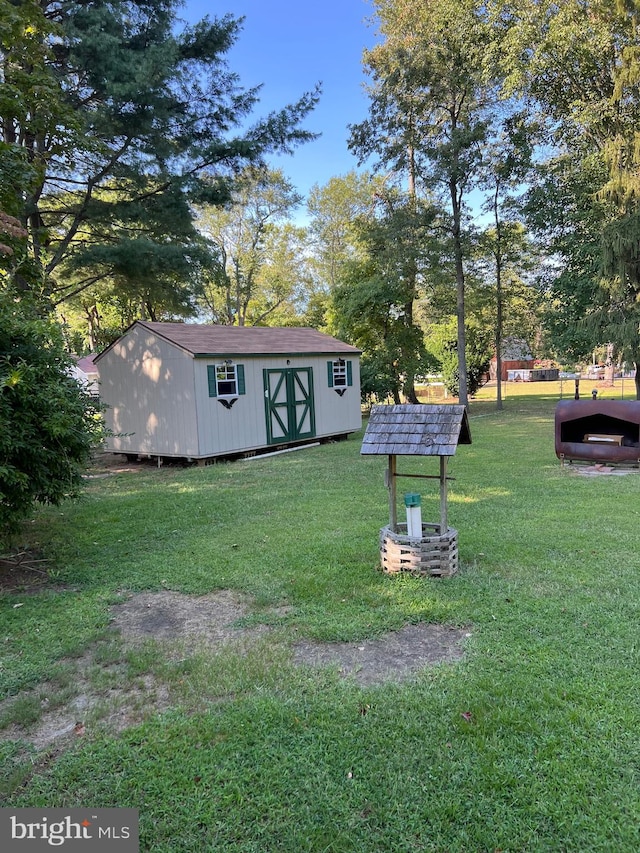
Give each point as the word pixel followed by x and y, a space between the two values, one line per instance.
pixel 417 430
pixel 199 391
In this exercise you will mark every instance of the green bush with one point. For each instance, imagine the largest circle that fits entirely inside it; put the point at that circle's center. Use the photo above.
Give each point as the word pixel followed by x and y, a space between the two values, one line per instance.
pixel 442 342
pixel 47 422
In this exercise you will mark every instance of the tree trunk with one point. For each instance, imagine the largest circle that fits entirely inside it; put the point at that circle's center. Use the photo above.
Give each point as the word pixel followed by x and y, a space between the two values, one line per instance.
pixel 409 385
pixel 609 367
pixel 463 396
pixel 498 371
pixel 93 326
pixel 460 286
pixel 409 391
pixel 498 257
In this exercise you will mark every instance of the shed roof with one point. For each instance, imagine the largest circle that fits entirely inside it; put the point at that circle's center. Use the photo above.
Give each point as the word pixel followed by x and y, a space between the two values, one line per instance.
pixel 515 349
pixel 86 364
pixel 416 430
pixel 201 340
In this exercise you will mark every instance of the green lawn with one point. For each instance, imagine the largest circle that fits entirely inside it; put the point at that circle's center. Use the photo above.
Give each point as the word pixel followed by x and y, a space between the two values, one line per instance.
pixel 255 754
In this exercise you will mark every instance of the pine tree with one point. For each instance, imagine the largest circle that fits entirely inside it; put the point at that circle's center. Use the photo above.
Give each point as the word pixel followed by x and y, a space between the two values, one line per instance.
pixel 139 120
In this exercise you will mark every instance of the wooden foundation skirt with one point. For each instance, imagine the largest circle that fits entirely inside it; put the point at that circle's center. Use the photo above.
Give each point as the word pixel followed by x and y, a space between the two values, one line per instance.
pixel 435 554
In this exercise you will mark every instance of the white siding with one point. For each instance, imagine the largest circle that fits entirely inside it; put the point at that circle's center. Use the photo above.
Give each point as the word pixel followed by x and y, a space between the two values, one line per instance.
pixel 148 387
pixel 244 426
pixel 159 403
pixel 334 413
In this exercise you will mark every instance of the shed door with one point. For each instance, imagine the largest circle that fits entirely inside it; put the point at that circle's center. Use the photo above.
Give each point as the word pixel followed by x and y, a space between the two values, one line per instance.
pixel 288 397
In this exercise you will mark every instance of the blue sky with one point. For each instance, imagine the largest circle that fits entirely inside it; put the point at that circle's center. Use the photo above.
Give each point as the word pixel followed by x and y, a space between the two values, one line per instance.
pixel 289 46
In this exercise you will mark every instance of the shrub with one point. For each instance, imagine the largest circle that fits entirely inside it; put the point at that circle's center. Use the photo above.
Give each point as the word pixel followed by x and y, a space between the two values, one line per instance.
pixel 48 424
pixel 442 343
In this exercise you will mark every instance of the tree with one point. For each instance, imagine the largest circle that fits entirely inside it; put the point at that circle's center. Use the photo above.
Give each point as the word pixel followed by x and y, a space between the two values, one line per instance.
pixel 255 273
pixel 562 211
pixel 284 284
pixel 48 424
pixel 373 305
pixel 125 122
pixel 428 114
pixel 579 63
pixel 442 346
pixel 507 159
pixel 334 211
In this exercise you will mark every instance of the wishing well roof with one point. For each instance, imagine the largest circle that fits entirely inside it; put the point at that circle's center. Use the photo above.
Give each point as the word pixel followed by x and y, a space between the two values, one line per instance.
pixel 416 430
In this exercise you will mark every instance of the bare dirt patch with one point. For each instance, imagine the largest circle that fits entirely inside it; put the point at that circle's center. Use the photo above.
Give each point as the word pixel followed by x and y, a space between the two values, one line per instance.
pixel 183 622
pixel 211 619
pixel 105 464
pixel 112 709
pixel 397 656
pixel 600 469
pixel 208 620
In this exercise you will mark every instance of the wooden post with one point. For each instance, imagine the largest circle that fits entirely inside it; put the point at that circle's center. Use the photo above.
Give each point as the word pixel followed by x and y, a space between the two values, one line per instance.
pixel 391 485
pixel 443 496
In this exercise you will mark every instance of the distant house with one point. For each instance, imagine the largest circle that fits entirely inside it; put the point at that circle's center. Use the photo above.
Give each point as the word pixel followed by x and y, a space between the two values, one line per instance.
pixel 201 391
pixel 516 357
pixel 86 373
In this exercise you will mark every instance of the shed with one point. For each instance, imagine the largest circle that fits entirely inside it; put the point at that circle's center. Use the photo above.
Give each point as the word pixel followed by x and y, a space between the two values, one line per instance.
pixel 417 430
pixel 86 373
pixel 515 362
pixel 199 391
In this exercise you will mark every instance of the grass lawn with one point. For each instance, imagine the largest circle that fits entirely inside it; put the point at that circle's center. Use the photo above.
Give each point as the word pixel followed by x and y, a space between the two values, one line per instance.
pixel 530 743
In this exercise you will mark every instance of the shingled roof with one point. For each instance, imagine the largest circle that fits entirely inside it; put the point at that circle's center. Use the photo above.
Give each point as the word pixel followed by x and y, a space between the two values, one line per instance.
pixel 200 340
pixel 416 430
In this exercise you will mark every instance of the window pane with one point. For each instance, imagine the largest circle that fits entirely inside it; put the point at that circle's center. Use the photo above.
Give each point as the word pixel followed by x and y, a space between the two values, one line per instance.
pixel 226 380
pixel 339 374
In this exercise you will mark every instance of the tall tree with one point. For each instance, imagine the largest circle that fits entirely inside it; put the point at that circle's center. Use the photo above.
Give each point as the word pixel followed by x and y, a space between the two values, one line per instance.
pixel 579 62
pixel 442 347
pixel 563 213
pixel 507 159
pixel 334 210
pixel 245 236
pixel 147 119
pixel 428 113
pixel 373 305
pixel 285 286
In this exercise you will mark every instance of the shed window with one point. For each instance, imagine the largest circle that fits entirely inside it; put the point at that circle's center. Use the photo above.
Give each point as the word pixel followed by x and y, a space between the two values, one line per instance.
pixel 339 375
pixel 226 380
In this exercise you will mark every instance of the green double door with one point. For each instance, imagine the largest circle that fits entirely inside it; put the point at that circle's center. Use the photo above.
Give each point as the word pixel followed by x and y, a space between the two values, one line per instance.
pixel 289 409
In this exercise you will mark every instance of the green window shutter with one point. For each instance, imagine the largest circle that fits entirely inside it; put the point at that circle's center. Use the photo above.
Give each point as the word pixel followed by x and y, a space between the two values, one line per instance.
pixel 240 377
pixel 211 377
pixel 349 374
pixel 330 373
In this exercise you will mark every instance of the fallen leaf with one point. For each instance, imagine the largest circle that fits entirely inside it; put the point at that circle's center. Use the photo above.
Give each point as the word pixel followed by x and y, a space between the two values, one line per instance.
pixel 467 715
pixel 79 729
